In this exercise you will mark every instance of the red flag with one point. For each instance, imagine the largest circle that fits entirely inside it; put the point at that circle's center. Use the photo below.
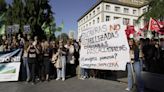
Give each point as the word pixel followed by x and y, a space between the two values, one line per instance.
pixel 154 25
pixel 129 30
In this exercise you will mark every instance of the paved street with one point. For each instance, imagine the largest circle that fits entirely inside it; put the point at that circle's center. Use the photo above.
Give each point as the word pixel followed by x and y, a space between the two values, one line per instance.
pixel 70 85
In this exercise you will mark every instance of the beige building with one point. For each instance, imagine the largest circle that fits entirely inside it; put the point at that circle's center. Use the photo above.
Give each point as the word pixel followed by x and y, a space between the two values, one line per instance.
pixel 109 10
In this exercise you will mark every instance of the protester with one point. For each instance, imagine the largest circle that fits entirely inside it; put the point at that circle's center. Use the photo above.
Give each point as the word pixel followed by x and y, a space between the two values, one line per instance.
pixel 39 63
pixel 46 59
pixel 53 50
pixel 56 60
pixel 136 66
pixel 14 44
pixel 161 59
pixel 32 53
pixel 71 58
pixel 62 55
pixel 25 61
pixel 150 53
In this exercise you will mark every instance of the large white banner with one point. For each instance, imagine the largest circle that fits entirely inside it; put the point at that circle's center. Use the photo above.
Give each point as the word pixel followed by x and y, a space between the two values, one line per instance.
pixel 9 71
pixel 104 46
pixel 10 65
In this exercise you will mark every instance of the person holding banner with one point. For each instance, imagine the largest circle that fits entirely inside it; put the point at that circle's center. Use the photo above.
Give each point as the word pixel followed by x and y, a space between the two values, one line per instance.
pixel 32 53
pixel 135 65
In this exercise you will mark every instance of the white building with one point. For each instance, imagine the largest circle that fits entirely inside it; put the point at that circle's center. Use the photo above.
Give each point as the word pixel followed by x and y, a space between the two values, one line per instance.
pixel 109 10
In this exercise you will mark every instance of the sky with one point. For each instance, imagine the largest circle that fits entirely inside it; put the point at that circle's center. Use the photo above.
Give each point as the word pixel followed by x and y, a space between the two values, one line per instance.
pixel 69 11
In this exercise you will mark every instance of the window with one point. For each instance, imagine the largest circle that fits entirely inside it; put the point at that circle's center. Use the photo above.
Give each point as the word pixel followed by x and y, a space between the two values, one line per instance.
pixel 134 11
pixel 116 18
pixel 134 22
pixel 98 20
pixel 117 9
pixel 93 12
pixel 98 9
pixel 126 10
pixel 90 15
pixel 86 25
pixel 126 21
pixel 89 23
pixel 144 10
pixel 93 22
pixel 107 18
pixel 86 17
pixel 107 7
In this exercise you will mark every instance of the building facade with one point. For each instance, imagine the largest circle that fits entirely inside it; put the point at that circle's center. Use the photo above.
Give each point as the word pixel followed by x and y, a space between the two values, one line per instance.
pixel 109 10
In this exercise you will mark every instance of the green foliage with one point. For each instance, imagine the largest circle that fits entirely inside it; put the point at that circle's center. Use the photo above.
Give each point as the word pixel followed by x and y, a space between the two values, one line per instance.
pixel 32 12
pixel 155 10
pixel 2 16
pixel 2 6
pixel 63 36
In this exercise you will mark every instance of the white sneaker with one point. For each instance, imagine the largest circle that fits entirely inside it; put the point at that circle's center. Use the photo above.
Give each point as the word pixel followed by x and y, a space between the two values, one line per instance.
pixel 127 89
pixel 81 78
pixel 57 79
pixel 63 79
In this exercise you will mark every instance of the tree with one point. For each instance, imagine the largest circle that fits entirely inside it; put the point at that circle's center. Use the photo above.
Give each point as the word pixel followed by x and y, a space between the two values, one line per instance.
pixel 155 10
pixel 32 12
pixel 63 36
pixel 2 16
pixel 2 6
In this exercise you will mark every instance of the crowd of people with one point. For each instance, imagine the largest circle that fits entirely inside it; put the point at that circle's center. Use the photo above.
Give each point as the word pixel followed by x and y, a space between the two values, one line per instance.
pixel 145 55
pixel 43 59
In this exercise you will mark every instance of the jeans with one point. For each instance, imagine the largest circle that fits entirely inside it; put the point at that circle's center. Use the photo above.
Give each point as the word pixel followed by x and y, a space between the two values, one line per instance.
pixel 61 71
pixel 25 63
pixel 84 72
pixel 137 70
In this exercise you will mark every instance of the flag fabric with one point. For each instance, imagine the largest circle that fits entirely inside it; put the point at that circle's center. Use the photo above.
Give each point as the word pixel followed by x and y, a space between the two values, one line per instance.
pixel 59 29
pixel 129 31
pixel 139 33
pixel 62 25
pixel 157 26
pixel 154 25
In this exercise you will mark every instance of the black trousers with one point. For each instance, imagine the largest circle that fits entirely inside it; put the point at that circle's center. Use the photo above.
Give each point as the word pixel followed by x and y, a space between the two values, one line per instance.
pixel 46 64
pixel 32 68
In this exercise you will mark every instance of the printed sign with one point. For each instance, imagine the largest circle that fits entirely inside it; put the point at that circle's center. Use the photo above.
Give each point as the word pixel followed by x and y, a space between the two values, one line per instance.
pixel 15 28
pixel 9 71
pixel 26 29
pixel 9 30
